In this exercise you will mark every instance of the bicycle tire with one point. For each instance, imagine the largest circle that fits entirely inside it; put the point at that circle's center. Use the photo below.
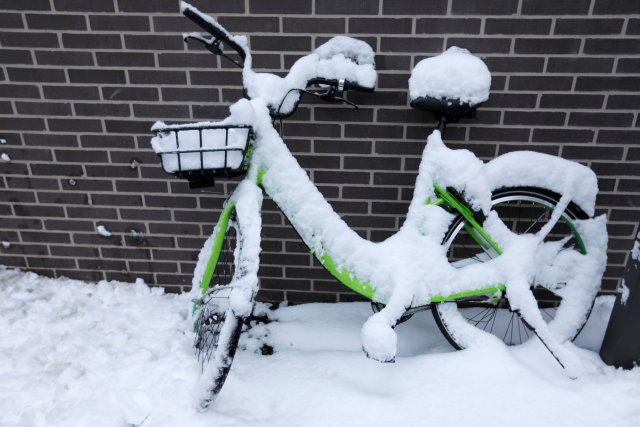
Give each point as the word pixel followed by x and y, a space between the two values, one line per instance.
pixel 216 327
pixel 518 207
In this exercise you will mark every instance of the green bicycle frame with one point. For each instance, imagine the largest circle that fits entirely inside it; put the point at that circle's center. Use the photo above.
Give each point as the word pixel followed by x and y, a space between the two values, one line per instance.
pixel 471 224
pixel 219 234
pixel 344 276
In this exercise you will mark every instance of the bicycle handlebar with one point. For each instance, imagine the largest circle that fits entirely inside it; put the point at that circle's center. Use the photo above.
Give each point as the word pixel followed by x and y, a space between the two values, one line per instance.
pixel 348 85
pixel 212 27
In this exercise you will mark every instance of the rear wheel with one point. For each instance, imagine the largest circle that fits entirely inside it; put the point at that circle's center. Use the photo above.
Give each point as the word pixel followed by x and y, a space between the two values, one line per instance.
pixel 217 328
pixel 523 210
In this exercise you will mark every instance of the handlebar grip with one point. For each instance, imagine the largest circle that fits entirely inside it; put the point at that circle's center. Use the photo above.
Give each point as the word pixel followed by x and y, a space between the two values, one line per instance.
pixel 354 86
pixel 204 22
pixel 347 84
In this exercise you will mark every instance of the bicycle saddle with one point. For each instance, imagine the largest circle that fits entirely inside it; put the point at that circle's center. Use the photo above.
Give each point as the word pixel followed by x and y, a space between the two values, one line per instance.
pixel 452 84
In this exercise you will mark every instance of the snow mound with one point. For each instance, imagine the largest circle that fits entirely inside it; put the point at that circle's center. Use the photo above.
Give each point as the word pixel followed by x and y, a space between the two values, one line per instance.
pixel 74 354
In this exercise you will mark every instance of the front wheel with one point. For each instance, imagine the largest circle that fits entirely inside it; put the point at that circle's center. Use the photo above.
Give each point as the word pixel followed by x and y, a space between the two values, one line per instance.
pixel 522 210
pixel 216 325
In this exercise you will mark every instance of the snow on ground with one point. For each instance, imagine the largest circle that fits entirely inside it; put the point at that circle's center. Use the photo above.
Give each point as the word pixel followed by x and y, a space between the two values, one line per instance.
pixel 119 354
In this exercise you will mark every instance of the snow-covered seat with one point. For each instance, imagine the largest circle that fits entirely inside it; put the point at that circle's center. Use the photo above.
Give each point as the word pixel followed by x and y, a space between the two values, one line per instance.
pixel 452 84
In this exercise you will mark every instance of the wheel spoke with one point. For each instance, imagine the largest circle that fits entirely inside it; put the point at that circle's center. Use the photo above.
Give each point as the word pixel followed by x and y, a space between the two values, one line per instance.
pixel 504 337
pixel 535 222
pixel 471 319
pixel 493 321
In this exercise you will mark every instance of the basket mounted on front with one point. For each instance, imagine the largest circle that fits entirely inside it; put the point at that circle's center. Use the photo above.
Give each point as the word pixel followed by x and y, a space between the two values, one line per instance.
pixel 200 152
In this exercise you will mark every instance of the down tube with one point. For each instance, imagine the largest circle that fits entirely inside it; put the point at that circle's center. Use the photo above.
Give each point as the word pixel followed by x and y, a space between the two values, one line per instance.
pixel 220 233
pixel 343 276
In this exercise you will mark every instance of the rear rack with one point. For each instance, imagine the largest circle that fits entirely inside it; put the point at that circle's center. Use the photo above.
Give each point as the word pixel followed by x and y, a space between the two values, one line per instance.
pixel 201 152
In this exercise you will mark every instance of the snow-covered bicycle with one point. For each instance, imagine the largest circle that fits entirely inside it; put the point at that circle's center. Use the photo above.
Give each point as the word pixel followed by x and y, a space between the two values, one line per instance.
pixel 508 248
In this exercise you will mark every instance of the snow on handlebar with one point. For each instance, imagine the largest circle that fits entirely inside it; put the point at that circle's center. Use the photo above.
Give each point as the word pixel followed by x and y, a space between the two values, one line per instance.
pixel 339 59
pixel 210 25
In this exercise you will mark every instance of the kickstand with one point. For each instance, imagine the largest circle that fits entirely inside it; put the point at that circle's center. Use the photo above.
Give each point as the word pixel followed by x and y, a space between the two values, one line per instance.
pixel 565 358
pixel 555 356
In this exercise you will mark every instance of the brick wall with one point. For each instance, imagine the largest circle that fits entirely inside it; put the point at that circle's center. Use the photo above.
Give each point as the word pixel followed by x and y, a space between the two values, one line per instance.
pixel 82 81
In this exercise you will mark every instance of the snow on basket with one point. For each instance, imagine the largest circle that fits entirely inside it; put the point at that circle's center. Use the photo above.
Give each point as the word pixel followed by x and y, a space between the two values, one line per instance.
pixel 205 148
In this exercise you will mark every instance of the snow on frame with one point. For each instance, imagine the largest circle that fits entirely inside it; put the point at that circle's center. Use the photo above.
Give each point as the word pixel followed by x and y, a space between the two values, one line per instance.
pixel 415 267
pixel 74 354
pixel 410 267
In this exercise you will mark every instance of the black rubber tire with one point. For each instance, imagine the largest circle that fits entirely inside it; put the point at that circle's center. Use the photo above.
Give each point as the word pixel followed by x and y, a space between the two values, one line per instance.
pixel 377 306
pixel 212 316
pixel 532 199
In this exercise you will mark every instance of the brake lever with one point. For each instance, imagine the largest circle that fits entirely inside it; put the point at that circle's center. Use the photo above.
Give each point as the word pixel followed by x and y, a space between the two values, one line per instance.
pixel 212 44
pixel 331 95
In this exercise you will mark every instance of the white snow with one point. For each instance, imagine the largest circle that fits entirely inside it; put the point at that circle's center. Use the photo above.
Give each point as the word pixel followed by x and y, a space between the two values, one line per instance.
pixel 6 244
pixel 116 354
pixel 454 74
pixel 230 145
pixel 5 157
pixel 339 58
pixel 101 229
pixel 522 168
pixel 184 5
pixel 635 251
pixel 624 293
